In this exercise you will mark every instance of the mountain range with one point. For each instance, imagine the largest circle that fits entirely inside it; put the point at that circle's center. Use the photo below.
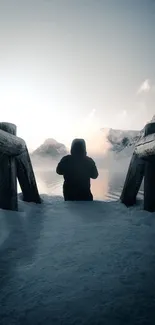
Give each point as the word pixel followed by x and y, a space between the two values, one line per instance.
pixel 118 140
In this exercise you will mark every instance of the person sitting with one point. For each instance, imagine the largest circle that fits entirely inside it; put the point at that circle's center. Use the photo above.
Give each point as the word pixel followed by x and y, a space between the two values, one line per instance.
pixel 77 170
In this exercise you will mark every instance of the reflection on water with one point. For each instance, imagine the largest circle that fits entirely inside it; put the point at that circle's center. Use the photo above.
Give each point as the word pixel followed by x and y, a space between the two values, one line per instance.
pixel 100 186
pixel 108 186
pixel 51 183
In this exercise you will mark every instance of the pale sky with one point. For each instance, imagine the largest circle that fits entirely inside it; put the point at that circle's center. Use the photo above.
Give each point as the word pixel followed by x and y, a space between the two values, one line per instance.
pixel 71 67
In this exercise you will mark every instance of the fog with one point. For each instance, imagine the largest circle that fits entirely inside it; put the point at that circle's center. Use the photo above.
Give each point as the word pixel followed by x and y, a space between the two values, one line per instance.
pixel 112 169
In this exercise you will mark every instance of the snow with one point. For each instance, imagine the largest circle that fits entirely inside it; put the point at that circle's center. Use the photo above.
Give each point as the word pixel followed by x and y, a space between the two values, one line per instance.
pixel 117 136
pixel 10 144
pixel 146 146
pixel 50 148
pixel 119 140
pixel 153 119
pixel 68 263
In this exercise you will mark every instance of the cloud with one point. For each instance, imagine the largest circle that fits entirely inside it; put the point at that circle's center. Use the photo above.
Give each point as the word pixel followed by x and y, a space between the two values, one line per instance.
pixel 144 87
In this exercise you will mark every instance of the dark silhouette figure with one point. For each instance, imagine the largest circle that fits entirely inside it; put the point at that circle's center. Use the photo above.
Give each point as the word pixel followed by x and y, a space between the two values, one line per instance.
pixel 77 169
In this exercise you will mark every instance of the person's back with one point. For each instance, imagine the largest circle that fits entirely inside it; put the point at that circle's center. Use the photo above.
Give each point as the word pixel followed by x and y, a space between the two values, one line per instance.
pixel 77 170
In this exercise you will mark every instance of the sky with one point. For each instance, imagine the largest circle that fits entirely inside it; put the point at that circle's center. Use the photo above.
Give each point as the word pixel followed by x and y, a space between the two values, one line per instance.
pixel 71 67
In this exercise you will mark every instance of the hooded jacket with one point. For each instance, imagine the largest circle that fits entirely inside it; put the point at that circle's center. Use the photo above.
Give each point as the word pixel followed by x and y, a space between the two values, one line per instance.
pixel 77 170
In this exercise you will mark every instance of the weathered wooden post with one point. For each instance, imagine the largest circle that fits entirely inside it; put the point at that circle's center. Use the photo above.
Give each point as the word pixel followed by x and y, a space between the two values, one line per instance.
pixel 149 186
pixel 133 181
pixel 149 129
pixel 149 179
pixel 8 180
pixel 26 178
pixel 15 162
pixel 142 163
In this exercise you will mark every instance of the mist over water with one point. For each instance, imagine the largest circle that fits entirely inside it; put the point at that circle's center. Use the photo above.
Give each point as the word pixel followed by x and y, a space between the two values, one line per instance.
pixel 108 186
pixel 112 164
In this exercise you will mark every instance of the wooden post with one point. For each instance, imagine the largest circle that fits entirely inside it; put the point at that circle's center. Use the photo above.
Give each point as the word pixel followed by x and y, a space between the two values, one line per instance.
pixel 133 181
pixel 26 178
pixel 8 127
pixel 149 186
pixel 149 179
pixel 8 180
pixel 149 129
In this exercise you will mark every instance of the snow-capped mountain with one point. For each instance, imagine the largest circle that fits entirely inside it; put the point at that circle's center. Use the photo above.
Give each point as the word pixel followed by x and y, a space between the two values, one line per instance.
pixel 124 139
pixel 50 149
pixel 119 139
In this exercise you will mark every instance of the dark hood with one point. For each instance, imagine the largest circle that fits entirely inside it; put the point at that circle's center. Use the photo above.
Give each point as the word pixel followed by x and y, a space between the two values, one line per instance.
pixel 78 148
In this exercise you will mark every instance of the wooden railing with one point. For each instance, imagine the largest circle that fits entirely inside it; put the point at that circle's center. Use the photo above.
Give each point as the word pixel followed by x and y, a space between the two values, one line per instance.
pixel 15 163
pixel 142 165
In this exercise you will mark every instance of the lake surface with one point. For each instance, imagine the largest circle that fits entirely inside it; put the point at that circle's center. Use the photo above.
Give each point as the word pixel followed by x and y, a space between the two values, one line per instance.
pixel 108 186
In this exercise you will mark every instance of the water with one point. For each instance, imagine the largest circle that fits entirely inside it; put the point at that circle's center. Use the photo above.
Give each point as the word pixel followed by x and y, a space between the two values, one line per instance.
pixel 108 186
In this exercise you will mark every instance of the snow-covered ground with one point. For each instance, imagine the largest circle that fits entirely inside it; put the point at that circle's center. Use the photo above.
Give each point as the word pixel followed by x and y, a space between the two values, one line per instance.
pixel 66 263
